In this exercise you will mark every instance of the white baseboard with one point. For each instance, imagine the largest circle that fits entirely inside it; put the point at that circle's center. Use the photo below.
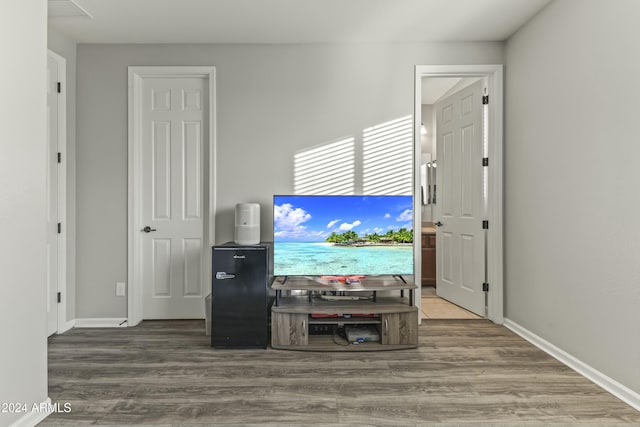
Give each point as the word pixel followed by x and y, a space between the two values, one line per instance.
pixel 105 322
pixel 32 418
pixel 609 384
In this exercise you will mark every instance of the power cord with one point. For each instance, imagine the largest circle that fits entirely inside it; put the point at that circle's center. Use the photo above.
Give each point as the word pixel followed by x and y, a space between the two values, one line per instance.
pixel 340 332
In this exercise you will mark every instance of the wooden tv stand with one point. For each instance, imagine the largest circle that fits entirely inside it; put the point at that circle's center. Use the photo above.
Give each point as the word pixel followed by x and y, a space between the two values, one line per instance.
pixel 298 305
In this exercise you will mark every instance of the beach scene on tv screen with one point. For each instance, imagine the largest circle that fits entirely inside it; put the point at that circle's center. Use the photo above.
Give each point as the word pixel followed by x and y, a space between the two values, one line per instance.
pixel 343 235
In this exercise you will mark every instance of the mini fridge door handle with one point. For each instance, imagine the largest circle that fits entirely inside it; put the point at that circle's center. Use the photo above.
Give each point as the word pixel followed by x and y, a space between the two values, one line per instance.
pixel 221 275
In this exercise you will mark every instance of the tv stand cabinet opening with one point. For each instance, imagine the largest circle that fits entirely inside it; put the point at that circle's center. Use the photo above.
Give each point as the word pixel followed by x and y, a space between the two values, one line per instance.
pixel 394 317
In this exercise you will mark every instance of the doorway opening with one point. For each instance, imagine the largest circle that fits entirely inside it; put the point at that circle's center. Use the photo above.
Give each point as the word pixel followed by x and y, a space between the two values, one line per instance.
pixel 171 191
pixel 458 164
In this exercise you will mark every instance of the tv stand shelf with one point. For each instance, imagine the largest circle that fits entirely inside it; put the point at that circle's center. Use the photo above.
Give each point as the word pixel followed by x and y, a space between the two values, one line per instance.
pixel 395 317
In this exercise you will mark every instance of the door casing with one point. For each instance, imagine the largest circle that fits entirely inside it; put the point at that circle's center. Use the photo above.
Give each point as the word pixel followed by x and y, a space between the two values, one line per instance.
pixel 495 273
pixel 136 75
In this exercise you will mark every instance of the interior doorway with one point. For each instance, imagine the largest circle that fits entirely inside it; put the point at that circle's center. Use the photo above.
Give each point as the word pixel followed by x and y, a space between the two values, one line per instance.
pixel 459 230
pixel 171 191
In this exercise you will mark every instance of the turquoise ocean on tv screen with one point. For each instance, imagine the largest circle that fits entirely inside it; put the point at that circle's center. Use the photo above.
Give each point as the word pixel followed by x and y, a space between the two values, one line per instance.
pixel 316 258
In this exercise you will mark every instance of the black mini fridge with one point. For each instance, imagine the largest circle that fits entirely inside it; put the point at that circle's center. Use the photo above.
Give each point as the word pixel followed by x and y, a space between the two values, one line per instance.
pixel 240 295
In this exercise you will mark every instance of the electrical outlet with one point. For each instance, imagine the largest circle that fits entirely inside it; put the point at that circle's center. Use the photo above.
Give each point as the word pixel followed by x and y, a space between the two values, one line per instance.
pixel 121 289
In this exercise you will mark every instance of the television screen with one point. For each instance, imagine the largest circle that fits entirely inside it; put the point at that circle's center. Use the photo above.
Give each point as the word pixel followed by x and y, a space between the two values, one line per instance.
pixel 342 235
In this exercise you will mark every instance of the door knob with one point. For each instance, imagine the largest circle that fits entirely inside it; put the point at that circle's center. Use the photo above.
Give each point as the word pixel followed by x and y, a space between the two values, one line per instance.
pixel 148 229
pixel 439 224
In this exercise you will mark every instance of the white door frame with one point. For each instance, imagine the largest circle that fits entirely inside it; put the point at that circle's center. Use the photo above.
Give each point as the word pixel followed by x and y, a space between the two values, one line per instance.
pixel 135 80
pixel 63 325
pixel 495 272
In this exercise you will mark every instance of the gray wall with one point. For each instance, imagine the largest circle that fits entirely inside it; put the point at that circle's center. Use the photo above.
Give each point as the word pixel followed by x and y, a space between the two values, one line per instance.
pixel 572 204
pixel 272 100
pixel 66 48
pixel 23 112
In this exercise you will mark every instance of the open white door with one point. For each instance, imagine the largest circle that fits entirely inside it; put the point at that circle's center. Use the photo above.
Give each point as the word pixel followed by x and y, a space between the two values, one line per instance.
pixel 56 194
pixel 174 127
pixel 460 248
pixel 52 195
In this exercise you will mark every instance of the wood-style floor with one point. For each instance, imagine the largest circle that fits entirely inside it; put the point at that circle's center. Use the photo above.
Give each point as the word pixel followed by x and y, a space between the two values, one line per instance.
pixel 465 372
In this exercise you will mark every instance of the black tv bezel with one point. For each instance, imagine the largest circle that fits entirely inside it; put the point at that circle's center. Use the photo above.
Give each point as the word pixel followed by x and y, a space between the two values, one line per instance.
pixel 273 239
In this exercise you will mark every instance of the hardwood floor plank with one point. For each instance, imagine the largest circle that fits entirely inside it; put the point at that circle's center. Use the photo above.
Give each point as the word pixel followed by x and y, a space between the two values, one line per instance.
pixel 240 411
pixel 164 373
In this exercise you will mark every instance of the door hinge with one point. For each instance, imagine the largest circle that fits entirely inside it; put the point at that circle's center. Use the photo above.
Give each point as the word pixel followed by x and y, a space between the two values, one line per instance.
pixel 485 224
pixel 59 157
pixel 59 227
pixel 485 287
pixel 59 297
pixel 485 161
pixel 59 87
pixel 485 99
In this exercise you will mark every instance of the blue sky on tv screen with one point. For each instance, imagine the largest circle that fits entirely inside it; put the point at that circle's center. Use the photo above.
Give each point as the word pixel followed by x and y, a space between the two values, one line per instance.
pixel 313 218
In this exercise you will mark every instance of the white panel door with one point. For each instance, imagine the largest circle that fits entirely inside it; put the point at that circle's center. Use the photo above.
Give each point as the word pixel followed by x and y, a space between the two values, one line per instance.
pixel 52 195
pixel 460 244
pixel 174 128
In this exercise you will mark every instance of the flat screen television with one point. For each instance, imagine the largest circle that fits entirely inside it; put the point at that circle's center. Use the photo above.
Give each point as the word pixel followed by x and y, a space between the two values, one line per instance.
pixel 342 235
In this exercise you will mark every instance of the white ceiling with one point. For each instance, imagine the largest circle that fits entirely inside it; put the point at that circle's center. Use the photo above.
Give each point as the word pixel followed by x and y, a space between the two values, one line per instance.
pixel 434 87
pixel 295 21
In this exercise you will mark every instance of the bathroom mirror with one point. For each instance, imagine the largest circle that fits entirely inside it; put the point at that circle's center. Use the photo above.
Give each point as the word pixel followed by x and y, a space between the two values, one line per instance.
pixel 428 182
pixel 431 168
